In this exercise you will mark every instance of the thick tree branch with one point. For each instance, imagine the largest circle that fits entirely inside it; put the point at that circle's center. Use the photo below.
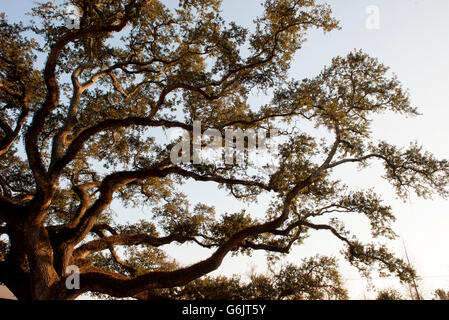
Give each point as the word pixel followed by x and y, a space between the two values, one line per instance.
pixel 126 240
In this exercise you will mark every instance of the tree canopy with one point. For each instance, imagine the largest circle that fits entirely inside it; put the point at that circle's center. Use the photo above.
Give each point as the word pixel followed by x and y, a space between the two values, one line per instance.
pixel 81 131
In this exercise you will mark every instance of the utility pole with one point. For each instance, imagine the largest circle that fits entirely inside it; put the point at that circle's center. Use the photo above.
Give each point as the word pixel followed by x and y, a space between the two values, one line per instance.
pixel 413 279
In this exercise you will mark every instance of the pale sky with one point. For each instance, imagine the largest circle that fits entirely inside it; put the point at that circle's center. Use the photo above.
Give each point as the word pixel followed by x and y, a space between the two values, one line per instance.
pixel 413 39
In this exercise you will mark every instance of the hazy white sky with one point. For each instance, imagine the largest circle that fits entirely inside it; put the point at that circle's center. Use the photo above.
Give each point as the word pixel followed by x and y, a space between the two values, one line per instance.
pixel 413 39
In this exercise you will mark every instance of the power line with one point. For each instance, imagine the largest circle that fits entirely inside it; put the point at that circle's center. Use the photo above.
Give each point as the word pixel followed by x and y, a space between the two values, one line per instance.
pixel 393 277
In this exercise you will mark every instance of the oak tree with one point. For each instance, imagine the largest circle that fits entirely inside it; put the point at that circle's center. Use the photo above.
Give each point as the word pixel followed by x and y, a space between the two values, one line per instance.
pixel 81 130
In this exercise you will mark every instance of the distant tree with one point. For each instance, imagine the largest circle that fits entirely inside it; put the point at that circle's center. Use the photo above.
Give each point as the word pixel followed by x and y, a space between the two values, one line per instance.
pixel 389 294
pixel 441 294
pixel 81 131
pixel 314 279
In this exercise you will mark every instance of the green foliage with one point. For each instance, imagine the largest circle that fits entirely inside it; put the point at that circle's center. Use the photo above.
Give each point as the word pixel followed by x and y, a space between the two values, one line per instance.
pixel 176 217
pixel 230 224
